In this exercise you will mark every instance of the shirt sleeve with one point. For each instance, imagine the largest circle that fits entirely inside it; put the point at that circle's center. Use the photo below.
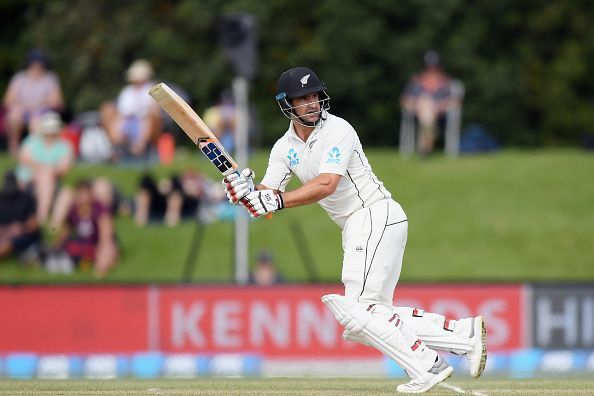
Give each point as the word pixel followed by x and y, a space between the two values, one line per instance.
pixel 338 149
pixel 413 88
pixel 100 210
pixel 54 81
pixel 61 151
pixel 126 102
pixel 278 175
pixel 15 82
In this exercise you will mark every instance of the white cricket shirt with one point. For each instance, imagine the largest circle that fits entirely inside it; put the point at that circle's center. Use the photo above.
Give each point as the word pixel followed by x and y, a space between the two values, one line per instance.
pixel 332 148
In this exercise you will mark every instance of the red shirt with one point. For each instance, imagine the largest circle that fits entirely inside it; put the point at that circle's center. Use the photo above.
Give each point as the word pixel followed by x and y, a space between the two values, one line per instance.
pixel 84 221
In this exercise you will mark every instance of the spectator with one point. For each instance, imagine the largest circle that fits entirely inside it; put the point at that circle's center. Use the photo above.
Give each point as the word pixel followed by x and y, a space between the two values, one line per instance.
pixel 88 234
pixel 19 229
pixel 265 272
pixel 428 96
pixel 221 119
pixel 30 92
pixel 44 159
pixel 169 200
pixel 134 122
pixel 103 192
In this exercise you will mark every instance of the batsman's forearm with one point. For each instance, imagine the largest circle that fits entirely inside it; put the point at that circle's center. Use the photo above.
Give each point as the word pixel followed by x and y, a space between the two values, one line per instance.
pixel 311 192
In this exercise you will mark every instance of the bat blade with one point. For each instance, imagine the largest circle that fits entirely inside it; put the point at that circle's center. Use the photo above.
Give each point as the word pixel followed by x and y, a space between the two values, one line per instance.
pixel 194 127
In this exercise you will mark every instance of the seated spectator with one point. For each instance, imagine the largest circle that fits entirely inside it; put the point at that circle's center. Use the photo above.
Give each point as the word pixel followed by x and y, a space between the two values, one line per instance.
pixel 134 122
pixel 428 96
pixel 30 92
pixel 44 159
pixel 19 229
pixel 94 145
pixel 103 191
pixel 265 272
pixel 170 199
pixel 88 234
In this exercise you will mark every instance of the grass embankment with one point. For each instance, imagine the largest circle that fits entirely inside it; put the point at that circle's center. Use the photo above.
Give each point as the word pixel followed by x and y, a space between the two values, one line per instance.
pixel 511 216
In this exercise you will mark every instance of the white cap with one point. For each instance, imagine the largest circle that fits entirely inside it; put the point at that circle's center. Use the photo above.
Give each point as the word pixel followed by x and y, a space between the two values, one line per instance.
pixel 139 71
pixel 50 123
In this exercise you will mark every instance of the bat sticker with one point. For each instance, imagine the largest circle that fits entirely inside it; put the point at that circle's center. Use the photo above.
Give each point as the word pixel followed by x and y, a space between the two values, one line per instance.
pixel 215 156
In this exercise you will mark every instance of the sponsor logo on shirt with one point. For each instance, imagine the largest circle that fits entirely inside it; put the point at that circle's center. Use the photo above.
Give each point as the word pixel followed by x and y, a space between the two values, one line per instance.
pixel 293 159
pixel 333 156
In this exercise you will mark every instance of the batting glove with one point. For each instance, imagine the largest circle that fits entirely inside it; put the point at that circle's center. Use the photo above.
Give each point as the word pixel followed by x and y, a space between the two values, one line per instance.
pixel 238 185
pixel 262 202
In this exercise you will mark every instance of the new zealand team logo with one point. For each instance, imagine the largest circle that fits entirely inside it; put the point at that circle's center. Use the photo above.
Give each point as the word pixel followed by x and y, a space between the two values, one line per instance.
pixel 293 159
pixel 333 156
pixel 304 80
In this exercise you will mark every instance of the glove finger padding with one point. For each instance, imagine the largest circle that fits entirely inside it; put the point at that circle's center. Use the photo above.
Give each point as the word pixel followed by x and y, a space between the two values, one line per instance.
pixel 240 193
pixel 253 212
pixel 263 202
pixel 248 173
pixel 238 185
pixel 235 183
pixel 230 178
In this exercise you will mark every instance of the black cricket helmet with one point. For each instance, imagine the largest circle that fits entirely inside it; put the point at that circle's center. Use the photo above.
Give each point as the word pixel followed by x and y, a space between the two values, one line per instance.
pixel 297 82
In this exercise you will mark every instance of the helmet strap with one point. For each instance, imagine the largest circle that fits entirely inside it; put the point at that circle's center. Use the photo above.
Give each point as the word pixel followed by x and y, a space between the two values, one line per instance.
pixel 301 121
pixel 319 122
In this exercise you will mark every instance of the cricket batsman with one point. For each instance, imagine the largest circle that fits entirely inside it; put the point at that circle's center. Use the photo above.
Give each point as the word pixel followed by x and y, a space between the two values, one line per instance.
pixel 325 153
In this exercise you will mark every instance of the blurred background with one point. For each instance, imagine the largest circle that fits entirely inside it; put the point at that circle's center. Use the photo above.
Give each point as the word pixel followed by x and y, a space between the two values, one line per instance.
pixel 478 117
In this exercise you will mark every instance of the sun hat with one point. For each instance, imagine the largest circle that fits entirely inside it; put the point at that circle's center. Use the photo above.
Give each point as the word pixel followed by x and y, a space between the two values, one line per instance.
pixel 50 123
pixel 140 70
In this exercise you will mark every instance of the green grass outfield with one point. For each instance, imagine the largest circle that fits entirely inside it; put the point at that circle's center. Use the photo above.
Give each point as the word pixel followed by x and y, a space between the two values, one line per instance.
pixel 510 216
pixel 291 386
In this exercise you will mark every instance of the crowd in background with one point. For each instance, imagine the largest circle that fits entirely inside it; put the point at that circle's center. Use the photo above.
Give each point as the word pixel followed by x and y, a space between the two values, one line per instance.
pixel 127 130
pixel 43 220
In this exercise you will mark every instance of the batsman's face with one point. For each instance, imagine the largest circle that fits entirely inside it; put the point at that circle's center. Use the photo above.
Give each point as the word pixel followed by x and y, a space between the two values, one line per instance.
pixel 308 107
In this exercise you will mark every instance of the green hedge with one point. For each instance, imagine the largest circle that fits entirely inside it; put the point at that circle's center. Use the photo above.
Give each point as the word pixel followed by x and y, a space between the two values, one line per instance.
pixel 526 65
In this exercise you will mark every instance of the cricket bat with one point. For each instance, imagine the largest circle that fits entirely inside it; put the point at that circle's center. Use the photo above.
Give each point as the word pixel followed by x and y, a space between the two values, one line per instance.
pixel 195 128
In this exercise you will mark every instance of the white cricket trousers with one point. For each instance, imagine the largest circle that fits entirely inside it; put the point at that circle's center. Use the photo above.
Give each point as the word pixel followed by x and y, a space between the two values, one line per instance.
pixel 373 242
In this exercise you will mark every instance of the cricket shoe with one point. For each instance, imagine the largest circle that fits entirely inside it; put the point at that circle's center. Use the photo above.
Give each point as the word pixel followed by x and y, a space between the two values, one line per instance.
pixel 438 373
pixel 477 358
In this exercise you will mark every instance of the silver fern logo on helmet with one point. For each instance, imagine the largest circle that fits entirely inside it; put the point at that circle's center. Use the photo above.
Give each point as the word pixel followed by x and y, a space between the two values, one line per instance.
pixel 304 80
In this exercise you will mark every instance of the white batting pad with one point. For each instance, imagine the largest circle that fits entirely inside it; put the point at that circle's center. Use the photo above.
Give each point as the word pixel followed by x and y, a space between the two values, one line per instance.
pixel 347 312
pixel 437 331
pixel 379 327
pixel 354 337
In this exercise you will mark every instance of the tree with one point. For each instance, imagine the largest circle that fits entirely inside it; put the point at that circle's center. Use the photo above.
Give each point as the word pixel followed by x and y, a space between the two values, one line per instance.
pixel 524 64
